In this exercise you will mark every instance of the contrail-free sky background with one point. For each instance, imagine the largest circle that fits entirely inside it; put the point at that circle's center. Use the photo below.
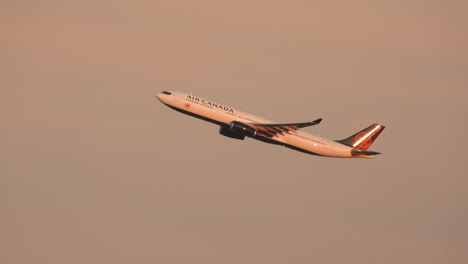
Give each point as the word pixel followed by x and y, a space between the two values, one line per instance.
pixel 95 170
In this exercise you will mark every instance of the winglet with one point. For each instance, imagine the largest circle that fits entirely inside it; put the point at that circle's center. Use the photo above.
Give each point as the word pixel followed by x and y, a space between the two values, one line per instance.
pixel 317 121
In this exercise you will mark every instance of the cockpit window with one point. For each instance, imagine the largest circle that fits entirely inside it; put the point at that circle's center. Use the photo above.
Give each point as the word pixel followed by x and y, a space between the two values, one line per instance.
pixel 166 92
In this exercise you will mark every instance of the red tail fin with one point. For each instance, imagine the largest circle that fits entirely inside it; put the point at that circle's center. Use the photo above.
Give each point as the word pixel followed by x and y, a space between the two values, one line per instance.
pixel 363 139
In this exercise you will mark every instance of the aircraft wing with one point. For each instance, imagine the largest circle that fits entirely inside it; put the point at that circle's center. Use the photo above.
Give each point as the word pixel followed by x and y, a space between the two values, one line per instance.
pixel 270 130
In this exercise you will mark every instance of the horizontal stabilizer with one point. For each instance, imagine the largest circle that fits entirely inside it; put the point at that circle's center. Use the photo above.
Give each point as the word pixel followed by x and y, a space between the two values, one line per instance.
pixel 362 152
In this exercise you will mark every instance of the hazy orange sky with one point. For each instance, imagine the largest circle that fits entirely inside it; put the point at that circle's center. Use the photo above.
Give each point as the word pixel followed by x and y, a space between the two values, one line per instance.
pixel 95 170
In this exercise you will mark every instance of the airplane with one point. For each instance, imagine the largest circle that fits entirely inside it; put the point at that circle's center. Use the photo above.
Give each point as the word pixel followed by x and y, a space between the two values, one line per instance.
pixel 238 125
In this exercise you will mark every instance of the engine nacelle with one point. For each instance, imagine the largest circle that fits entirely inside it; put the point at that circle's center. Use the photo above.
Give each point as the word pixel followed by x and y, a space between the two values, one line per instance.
pixel 242 128
pixel 237 130
pixel 226 131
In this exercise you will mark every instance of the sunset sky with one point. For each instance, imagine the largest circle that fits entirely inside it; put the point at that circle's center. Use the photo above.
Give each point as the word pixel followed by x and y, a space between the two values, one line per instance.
pixel 95 170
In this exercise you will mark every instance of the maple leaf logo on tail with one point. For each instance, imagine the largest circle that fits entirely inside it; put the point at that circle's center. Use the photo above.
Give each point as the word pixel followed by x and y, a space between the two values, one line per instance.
pixel 363 139
pixel 365 143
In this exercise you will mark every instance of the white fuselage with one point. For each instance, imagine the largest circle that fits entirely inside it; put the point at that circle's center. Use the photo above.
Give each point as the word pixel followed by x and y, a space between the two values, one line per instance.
pixel 221 114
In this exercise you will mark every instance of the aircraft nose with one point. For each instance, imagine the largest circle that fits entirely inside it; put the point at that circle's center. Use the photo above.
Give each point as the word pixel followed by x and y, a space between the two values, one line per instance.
pixel 158 96
pixel 163 96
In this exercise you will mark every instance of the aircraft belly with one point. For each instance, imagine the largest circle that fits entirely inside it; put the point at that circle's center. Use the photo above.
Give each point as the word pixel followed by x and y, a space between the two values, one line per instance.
pixel 329 150
pixel 305 145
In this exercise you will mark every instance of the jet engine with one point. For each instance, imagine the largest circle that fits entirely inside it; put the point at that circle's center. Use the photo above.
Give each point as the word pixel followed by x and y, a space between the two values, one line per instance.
pixel 237 130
